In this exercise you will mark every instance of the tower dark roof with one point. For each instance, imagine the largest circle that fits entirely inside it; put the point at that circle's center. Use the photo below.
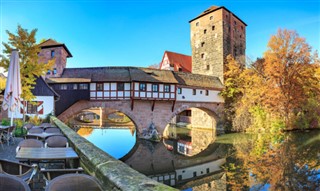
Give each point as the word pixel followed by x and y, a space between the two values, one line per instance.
pixel 52 43
pixel 213 9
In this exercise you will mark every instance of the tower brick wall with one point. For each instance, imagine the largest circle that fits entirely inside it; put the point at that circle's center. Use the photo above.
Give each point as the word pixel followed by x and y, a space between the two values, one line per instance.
pixel 60 55
pixel 215 34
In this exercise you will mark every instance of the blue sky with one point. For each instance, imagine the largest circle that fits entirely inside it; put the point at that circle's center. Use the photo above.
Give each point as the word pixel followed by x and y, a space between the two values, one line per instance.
pixel 137 32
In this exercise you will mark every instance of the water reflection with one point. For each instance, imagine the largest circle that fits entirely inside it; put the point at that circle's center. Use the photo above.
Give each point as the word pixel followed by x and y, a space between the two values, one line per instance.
pixel 187 140
pixel 276 162
pixel 116 141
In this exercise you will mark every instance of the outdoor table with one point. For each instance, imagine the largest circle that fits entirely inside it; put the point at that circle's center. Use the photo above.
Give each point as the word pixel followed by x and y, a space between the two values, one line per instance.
pixel 43 135
pixel 47 154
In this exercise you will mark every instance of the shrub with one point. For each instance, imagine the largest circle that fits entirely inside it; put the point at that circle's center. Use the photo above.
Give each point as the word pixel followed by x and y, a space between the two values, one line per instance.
pixel 5 122
pixel 35 120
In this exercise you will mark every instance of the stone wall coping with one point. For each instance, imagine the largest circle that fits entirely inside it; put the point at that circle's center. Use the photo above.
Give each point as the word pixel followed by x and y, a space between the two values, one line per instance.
pixel 111 173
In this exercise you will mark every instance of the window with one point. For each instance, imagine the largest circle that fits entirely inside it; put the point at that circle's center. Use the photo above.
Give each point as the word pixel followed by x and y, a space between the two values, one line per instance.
pixel 155 87
pixel 204 31
pixel 120 86
pixel 207 92
pixel 75 86
pixel 180 69
pixel 142 87
pixel 202 55
pixel 83 86
pixel 32 107
pixel 166 88
pixel 99 86
pixel 48 72
pixel 197 23
pixel 242 28
pixel 211 17
pixel 208 67
pixel 179 90
pixel 213 27
pixel 202 44
pixel 63 87
pixel 235 23
pixel 194 92
pixel 52 53
pixel 54 71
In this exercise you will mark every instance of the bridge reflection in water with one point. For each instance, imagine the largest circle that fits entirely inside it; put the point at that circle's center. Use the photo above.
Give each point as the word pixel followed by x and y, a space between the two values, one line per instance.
pixel 167 161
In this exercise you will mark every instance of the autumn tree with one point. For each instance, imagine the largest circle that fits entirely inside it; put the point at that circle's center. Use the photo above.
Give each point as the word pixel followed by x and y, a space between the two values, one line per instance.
pixel 30 68
pixel 290 74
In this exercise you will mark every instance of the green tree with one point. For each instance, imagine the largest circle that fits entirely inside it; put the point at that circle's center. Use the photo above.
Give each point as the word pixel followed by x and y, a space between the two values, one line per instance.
pixel 30 68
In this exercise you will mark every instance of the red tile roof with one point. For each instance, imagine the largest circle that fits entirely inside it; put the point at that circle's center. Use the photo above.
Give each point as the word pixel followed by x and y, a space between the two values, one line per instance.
pixel 178 60
pixel 52 43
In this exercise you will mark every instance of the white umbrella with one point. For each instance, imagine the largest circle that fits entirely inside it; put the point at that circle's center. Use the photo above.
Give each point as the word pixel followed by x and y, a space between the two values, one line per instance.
pixel 11 99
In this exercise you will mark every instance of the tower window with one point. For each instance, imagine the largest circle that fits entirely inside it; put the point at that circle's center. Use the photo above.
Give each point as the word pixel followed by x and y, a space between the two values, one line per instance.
pixel 213 27
pixel 207 92
pixel 52 53
pixel 241 27
pixel 204 31
pixel 202 44
pixel 211 17
pixel 202 55
pixel 208 67
pixel 194 92
pixel 197 23
pixel 235 23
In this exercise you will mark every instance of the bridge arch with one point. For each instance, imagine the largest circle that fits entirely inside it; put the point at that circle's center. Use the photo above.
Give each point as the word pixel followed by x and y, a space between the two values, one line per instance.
pixel 79 106
pixel 142 114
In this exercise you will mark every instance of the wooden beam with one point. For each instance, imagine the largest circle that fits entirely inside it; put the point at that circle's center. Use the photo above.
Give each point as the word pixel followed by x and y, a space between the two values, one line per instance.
pixel 173 104
pixel 132 103
pixel 153 103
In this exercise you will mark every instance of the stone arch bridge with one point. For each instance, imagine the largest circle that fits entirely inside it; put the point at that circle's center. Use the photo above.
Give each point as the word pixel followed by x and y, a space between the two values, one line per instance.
pixel 145 112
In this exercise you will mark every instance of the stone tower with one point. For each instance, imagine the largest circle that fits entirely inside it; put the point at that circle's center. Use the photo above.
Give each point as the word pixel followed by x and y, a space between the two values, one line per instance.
pixel 215 34
pixel 51 49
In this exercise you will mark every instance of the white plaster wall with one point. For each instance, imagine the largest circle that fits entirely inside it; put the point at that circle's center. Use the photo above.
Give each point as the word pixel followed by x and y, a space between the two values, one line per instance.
pixel 187 95
pixel 201 169
pixel 48 106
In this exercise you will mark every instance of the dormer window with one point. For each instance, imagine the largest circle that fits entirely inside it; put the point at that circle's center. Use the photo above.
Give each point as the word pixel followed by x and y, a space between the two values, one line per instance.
pixel 52 53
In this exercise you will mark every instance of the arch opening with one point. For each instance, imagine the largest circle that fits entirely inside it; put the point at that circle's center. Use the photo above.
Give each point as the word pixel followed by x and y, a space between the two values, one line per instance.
pixel 190 131
pixel 109 129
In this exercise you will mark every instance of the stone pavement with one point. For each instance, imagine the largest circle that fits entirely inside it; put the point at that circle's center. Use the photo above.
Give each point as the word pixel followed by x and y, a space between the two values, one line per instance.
pixel 9 153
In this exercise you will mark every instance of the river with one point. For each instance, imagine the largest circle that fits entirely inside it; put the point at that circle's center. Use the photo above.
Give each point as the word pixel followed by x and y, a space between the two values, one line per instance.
pixel 195 160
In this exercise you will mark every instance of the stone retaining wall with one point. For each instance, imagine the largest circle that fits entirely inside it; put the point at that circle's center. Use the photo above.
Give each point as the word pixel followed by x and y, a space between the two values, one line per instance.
pixel 112 174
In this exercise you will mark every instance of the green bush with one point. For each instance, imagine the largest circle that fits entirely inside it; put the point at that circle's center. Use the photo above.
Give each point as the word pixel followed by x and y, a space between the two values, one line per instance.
pixel 5 122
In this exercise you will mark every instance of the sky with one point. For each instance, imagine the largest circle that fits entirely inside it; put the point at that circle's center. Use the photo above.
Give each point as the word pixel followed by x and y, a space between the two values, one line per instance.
pixel 137 32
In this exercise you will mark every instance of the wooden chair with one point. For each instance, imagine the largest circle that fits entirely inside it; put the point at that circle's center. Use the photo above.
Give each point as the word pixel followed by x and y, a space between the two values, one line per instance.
pixel 74 182
pixel 29 143
pixel 8 182
pixel 52 130
pixel 8 134
pixel 56 141
pixel 28 126
pixel 21 170
pixel 36 130
pixel 49 174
